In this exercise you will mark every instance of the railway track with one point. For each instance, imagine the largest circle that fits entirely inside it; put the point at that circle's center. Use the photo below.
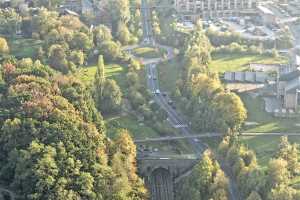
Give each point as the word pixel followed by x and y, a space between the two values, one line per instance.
pixel 161 185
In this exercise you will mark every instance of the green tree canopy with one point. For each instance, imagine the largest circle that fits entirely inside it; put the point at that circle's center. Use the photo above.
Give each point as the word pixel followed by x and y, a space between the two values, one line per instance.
pixel 53 143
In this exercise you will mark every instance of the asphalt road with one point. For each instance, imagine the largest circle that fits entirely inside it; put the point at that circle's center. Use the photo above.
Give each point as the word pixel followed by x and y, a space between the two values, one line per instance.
pixel 153 85
pixel 174 118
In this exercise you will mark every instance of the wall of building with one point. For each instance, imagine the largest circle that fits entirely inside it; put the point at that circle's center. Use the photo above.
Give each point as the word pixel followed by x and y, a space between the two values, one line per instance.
pixel 214 8
pixel 290 101
pixel 280 88
pixel 74 5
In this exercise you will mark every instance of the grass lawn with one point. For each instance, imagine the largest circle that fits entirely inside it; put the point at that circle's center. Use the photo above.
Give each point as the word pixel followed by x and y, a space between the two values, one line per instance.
pixel 266 122
pixel 148 52
pixel 265 146
pixel 24 48
pixel 112 71
pixel 169 73
pixel 138 130
pixel 240 62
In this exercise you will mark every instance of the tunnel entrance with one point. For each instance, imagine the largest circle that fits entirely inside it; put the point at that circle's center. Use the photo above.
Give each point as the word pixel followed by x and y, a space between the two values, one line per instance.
pixel 161 185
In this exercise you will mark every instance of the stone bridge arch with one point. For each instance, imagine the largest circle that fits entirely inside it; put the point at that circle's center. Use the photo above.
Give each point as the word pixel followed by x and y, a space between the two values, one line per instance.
pixel 161 186
pixel 161 173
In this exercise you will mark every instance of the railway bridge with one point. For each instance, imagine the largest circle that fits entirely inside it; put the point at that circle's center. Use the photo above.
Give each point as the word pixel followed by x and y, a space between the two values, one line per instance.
pixel 162 172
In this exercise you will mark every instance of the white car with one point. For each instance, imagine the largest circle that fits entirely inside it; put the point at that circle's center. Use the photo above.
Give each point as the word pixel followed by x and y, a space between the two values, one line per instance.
pixel 157 92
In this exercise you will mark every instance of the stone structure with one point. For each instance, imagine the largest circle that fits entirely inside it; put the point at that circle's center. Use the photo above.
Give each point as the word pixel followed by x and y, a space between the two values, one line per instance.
pixel 209 9
pixel 248 77
pixel 288 83
pixel 288 89
pixel 160 174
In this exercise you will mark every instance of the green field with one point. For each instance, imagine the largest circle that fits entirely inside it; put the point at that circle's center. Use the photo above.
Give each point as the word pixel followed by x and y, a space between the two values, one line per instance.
pixel 240 62
pixel 138 130
pixel 112 71
pixel 148 52
pixel 266 122
pixel 24 48
pixel 265 146
pixel 169 73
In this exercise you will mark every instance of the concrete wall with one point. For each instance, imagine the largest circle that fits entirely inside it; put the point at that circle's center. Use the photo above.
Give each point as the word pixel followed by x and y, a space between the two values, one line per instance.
pixel 159 174
pixel 175 166
pixel 290 101
pixel 280 88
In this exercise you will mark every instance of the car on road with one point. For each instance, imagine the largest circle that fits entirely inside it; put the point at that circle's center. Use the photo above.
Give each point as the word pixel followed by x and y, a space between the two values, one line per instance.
pixel 170 102
pixel 164 94
pixel 157 91
pixel 154 78
pixel 149 76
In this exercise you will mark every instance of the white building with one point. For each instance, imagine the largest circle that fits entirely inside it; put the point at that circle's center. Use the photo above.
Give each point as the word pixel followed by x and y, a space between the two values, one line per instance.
pixel 210 9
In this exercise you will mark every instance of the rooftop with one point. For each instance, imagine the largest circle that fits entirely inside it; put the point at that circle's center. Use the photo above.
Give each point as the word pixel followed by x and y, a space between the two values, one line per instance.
pixel 265 10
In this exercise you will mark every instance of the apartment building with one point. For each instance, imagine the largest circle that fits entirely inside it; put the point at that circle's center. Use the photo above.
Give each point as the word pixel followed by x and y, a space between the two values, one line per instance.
pixel 210 9
pixel 74 5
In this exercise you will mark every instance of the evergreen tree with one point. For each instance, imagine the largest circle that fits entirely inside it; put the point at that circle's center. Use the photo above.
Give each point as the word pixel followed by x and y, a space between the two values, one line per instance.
pixel 99 80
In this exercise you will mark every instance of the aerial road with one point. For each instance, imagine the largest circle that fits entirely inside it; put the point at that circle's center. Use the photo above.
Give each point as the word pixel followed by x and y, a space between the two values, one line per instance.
pixel 175 119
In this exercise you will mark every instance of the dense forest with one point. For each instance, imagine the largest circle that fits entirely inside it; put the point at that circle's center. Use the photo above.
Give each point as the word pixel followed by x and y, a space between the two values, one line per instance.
pixel 275 182
pixel 53 143
pixel 53 139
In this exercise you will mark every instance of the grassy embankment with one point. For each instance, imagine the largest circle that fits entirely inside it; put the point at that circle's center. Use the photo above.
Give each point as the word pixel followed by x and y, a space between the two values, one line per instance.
pixel 149 52
pixel 129 122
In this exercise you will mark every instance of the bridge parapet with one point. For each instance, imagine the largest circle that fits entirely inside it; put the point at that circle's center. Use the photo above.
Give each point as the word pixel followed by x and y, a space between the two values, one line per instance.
pixel 175 165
